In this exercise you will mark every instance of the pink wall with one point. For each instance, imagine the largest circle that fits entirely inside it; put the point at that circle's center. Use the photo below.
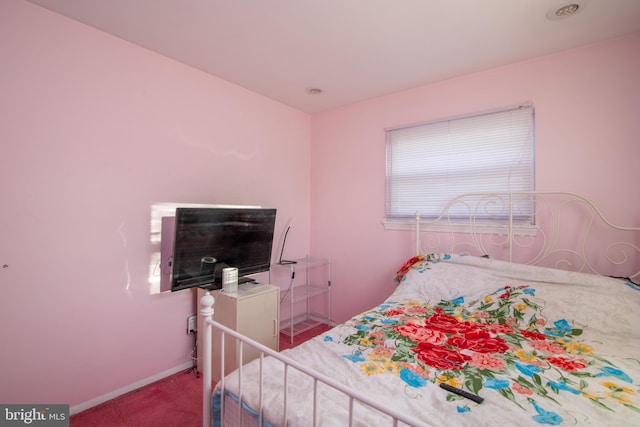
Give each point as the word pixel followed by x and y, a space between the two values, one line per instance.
pixel 587 104
pixel 94 132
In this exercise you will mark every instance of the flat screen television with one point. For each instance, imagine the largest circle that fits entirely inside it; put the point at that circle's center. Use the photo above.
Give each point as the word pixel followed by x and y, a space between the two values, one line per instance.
pixel 206 240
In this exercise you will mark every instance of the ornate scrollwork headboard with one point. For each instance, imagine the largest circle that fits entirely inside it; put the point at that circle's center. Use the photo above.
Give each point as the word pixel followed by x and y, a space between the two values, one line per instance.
pixel 551 229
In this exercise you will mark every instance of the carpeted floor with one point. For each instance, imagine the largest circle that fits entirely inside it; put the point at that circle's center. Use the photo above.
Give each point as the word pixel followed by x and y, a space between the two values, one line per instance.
pixel 172 401
pixel 175 401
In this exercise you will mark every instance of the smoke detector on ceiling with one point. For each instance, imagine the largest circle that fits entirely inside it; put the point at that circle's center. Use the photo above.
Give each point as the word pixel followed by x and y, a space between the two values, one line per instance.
pixel 565 10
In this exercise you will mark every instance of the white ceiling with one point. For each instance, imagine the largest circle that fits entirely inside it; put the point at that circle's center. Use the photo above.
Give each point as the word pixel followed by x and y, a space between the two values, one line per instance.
pixel 351 49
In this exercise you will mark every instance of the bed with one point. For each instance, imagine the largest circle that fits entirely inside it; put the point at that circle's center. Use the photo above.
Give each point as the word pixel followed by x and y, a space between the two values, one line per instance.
pixel 529 306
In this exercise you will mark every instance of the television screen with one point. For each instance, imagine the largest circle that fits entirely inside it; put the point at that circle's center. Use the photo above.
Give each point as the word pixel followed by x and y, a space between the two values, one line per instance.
pixel 206 240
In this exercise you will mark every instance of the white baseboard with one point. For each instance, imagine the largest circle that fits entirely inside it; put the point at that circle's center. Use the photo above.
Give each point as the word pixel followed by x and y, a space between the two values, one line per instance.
pixel 126 389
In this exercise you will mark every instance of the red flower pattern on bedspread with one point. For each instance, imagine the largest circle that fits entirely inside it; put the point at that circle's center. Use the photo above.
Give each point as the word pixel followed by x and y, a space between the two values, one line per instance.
pixel 449 324
pixel 420 333
pixel 501 341
pixel 439 356
pixel 406 266
pixel 478 341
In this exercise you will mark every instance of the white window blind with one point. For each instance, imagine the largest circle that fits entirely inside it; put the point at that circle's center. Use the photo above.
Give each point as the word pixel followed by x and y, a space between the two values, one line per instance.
pixel 431 163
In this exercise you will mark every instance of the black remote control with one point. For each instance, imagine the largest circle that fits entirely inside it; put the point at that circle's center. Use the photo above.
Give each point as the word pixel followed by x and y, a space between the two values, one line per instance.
pixel 462 393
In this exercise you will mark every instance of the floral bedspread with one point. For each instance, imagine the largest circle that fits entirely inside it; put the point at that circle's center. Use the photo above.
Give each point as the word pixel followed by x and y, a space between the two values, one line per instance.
pixel 541 346
pixel 505 343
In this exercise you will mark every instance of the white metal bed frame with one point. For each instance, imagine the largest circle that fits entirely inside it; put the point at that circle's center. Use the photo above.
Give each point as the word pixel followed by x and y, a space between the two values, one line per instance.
pixel 538 242
pixel 206 303
pixel 541 240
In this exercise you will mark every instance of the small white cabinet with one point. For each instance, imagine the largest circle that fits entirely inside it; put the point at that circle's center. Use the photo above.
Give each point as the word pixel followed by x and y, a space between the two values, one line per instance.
pixel 308 294
pixel 253 311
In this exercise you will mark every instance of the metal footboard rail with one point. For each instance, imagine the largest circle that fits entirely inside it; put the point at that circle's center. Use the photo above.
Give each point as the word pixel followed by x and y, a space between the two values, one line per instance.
pixel 206 303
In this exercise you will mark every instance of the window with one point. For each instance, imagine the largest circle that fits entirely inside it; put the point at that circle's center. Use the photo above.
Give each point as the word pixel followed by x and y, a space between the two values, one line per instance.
pixel 429 164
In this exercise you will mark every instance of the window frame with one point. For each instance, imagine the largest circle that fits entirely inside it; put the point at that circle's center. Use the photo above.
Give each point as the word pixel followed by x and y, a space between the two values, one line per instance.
pixel 407 220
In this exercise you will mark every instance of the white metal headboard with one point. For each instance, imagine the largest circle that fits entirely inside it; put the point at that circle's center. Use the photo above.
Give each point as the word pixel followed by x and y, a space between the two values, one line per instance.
pixel 552 229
